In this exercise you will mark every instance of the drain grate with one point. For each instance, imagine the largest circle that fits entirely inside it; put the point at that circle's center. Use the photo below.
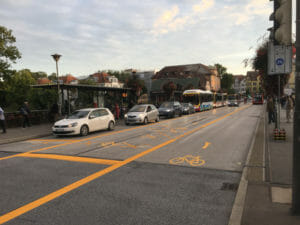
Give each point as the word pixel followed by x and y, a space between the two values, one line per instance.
pixel 229 186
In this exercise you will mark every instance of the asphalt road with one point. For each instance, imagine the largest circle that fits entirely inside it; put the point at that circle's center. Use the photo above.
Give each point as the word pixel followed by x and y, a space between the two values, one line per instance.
pixel 178 171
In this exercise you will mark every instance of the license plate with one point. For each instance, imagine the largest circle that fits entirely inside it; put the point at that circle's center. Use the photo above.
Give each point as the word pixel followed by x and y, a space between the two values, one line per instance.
pixel 59 129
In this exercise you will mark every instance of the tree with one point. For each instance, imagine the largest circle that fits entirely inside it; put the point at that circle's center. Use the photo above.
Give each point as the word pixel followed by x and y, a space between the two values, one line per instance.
pixel 8 52
pixel 226 78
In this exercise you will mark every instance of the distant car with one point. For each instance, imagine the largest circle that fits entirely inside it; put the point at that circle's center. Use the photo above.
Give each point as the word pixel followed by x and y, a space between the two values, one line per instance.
pixel 170 109
pixel 84 121
pixel 233 100
pixel 142 114
pixel 187 108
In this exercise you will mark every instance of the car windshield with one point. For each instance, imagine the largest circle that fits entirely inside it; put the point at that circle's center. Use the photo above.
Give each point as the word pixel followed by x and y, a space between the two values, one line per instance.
pixel 78 114
pixel 138 108
pixel 232 97
pixel 166 105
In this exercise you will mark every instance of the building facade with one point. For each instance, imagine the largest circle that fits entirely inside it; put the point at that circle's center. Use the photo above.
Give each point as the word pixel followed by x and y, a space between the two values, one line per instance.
pixel 239 84
pixel 173 80
pixel 253 83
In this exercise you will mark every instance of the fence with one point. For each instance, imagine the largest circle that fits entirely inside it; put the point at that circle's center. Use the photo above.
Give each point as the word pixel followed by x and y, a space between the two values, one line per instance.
pixel 15 119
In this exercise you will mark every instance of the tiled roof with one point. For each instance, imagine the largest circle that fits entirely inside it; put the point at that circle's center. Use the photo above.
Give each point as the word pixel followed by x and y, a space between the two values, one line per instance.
pixel 43 81
pixel 100 77
pixel 183 71
pixel 252 75
pixel 67 79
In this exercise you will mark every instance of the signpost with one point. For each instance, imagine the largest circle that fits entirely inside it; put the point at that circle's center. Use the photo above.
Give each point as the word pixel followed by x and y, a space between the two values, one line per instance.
pixel 279 59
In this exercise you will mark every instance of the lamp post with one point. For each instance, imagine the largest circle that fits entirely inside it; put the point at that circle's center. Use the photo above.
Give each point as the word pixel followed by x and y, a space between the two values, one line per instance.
pixel 56 58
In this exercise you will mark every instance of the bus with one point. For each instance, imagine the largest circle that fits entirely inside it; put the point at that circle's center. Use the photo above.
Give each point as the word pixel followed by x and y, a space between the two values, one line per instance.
pixel 220 99
pixel 201 100
pixel 257 99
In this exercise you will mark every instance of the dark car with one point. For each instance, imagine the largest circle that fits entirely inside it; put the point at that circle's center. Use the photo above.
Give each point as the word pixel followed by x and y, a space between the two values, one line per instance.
pixel 187 108
pixel 170 109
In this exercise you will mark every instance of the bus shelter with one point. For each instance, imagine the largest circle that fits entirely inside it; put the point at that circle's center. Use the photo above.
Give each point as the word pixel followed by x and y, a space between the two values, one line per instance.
pixel 101 96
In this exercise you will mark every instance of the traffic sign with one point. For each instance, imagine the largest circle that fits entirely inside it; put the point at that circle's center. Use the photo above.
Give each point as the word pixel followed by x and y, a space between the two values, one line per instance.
pixel 279 59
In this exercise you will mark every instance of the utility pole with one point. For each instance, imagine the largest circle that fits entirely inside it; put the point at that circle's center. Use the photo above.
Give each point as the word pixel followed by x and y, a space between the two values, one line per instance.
pixel 296 144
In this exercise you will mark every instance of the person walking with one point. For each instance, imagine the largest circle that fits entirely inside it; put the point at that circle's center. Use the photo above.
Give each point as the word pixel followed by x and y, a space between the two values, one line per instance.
pixel 25 111
pixel 271 109
pixel 2 120
pixel 289 107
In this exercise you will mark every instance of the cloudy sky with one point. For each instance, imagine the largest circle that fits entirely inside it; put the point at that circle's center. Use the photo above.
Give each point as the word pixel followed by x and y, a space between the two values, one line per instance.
pixel 94 35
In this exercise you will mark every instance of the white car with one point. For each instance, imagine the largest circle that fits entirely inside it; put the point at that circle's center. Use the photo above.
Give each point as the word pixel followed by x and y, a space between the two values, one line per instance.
pixel 84 121
pixel 142 114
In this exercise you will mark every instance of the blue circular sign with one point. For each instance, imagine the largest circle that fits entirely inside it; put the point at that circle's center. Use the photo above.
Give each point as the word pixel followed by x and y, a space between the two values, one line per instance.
pixel 279 61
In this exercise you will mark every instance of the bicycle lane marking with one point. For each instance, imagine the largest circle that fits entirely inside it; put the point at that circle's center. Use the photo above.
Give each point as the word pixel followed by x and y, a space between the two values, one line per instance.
pixel 47 198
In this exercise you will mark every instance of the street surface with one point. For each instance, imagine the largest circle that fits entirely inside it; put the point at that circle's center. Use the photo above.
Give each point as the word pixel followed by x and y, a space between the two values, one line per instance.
pixel 179 171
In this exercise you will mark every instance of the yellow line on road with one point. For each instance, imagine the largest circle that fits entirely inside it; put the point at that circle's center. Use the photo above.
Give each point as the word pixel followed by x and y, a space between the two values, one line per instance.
pixel 28 207
pixel 71 158
pixel 206 145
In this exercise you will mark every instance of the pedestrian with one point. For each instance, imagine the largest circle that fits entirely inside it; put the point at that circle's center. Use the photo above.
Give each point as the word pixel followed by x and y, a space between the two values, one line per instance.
pixel 25 111
pixel 2 120
pixel 54 112
pixel 271 109
pixel 289 107
pixel 117 111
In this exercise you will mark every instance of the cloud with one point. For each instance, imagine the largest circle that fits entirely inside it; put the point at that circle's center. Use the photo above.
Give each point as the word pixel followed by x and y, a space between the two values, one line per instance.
pixel 203 6
pixel 174 19
pixel 245 13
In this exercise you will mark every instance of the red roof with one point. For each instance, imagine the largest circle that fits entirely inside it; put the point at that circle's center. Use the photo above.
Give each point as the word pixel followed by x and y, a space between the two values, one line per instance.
pixel 100 77
pixel 68 79
pixel 43 80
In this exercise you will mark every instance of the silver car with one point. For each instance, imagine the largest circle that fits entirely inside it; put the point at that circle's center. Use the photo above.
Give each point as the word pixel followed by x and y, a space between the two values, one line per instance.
pixel 142 114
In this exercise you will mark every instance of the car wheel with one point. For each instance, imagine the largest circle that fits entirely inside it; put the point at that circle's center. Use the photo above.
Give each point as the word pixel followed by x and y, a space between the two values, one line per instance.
pixel 145 120
pixel 127 124
pixel 111 125
pixel 84 130
pixel 157 119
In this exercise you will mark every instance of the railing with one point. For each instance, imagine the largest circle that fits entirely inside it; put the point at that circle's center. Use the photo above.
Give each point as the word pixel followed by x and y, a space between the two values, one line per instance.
pixel 15 119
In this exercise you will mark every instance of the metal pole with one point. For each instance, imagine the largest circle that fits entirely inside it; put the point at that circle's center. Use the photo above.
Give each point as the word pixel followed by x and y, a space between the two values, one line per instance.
pixel 278 103
pixel 58 89
pixel 296 143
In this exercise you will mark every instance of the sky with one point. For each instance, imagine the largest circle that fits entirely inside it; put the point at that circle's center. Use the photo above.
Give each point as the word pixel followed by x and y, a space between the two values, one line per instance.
pixel 93 35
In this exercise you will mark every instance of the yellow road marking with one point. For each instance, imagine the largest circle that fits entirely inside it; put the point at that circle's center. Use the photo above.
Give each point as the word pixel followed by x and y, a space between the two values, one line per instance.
pixel 28 207
pixel 192 160
pixel 206 145
pixel 50 140
pixel 70 158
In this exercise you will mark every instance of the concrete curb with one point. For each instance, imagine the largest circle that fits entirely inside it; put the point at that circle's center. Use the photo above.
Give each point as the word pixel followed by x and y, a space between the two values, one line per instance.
pixel 239 202
pixel 18 139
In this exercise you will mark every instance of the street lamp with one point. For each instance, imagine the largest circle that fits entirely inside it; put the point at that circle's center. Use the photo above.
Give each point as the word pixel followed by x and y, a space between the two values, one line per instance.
pixel 56 58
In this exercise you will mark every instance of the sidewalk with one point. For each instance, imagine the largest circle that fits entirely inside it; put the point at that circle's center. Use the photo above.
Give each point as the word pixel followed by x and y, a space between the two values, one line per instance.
pixel 21 134
pixel 269 191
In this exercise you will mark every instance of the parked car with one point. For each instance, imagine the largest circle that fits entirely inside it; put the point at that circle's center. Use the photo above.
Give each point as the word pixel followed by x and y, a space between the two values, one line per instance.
pixel 187 108
pixel 170 109
pixel 84 121
pixel 142 114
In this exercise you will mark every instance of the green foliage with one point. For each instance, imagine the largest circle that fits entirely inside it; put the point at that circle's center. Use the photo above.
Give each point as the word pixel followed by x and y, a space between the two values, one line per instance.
pixel 8 52
pixel 227 79
pixel 52 77
pixel 87 82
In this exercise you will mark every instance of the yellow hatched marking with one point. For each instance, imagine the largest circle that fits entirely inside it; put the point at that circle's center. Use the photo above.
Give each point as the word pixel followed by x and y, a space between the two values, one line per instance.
pixel 50 140
pixel 206 145
pixel 70 158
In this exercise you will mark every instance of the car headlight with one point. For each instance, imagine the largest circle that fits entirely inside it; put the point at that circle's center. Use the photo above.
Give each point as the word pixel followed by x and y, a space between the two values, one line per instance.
pixel 168 110
pixel 125 115
pixel 73 124
pixel 141 116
